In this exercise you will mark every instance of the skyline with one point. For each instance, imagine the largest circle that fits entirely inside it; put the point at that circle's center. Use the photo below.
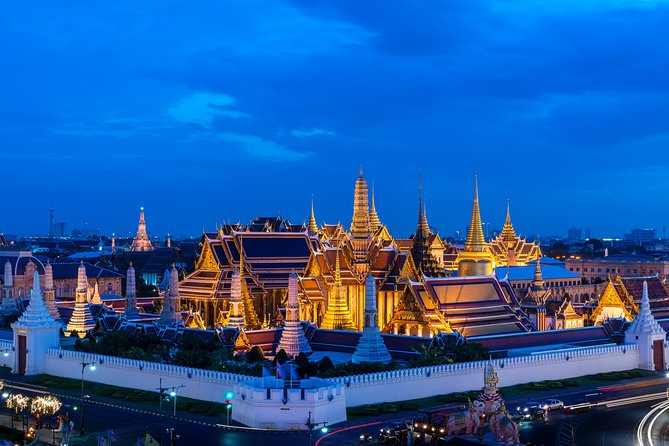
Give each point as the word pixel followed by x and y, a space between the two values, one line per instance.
pixel 213 113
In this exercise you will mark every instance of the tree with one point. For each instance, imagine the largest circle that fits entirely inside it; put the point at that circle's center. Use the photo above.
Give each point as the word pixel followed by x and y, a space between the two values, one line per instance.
pixel 281 357
pixel 301 359
pixel 325 364
pixel 255 354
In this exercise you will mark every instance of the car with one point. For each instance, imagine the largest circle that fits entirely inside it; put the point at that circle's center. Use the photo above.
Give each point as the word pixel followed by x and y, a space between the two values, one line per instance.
pixel 552 404
pixel 578 408
pixel 393 433
pixel 530 411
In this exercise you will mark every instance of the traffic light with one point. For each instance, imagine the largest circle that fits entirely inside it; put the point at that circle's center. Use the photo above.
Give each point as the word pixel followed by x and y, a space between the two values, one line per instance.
pixel 228 404
pixel 229 395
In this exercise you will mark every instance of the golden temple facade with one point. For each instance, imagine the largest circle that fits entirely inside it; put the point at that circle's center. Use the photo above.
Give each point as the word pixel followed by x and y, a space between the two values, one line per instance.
pixel 416 290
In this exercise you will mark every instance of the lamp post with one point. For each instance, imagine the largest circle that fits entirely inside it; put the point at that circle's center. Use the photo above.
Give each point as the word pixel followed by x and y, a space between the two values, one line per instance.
pixel 311 425
pixel 172 436
pixel 173 394
pixel 83 369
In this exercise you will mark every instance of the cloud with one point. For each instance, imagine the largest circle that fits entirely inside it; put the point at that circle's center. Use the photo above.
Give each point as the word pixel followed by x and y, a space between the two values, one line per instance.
pixel 202 108
pixel 313 132
pixel 262 148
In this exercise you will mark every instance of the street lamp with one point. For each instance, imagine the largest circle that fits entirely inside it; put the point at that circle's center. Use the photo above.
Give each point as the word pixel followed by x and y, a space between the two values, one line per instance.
pixel 311 425
pixel 83 369
pixel 172 436
pixel 173 394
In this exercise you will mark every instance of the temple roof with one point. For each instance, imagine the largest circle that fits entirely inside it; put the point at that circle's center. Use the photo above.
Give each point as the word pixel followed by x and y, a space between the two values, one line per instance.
pixel 549 272
pixel 474 305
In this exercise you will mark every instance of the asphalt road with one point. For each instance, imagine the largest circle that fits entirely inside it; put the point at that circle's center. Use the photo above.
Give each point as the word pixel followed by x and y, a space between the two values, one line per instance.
pixel 606 426
pixel 610 426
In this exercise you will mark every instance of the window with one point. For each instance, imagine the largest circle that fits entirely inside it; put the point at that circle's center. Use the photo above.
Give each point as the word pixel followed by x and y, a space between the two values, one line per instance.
pixel 607 270
pixel 599 270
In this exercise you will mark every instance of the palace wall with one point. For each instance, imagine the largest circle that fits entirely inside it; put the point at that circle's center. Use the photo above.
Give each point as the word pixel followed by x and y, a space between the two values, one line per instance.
pixel 423 382
pixel 372 388
pixel 199 384
pixel 7 347
pixel 288 408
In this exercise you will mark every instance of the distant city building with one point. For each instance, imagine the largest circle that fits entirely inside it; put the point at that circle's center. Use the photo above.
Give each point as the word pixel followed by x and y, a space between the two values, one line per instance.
pixel 574 235
pixel 641 235
pixel 59 230
pixel 631 266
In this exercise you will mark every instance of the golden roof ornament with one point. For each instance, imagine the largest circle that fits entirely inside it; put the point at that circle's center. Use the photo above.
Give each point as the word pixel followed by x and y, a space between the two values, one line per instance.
pixel 490 376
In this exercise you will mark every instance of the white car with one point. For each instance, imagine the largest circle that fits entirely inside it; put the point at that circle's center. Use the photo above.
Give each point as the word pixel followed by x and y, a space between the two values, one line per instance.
pixel 552 405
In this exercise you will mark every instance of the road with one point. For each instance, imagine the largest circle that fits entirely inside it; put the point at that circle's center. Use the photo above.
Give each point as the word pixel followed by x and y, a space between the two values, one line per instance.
pixel 613 421
pixel 611 424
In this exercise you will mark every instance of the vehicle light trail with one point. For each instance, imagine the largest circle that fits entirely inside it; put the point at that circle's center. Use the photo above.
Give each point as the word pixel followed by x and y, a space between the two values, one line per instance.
pixel 646 426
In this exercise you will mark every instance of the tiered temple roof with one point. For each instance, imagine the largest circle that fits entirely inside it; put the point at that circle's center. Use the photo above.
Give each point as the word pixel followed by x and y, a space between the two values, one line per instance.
pixel 510 249
pixel 475 305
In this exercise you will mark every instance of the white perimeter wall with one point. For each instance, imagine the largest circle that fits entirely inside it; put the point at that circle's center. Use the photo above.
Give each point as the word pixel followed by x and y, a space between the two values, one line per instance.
pixel 7 347
pixel 400 385
pixel 199 384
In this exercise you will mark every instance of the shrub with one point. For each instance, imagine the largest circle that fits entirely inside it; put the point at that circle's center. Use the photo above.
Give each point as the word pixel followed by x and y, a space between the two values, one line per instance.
pixel 255 355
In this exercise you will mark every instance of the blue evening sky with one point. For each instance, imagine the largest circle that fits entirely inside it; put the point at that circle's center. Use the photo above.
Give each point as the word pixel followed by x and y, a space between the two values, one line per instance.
pixel 208 111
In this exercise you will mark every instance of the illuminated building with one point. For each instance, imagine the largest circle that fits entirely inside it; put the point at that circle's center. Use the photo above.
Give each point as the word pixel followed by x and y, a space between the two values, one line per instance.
pixel 130 311
pixel 476 258
pixel 371 347
pixel 81 320
pixel 141 241
pixel 413 294
pixel 337 316
pixel 292 339
pixel 547 309
pixel 511 250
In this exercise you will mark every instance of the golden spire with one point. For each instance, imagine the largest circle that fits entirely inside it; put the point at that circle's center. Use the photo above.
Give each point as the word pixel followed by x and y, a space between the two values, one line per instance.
pixel 337 316
pixel 374 222
pixel 423 227
pixel 360 224
pixel 313 226
pixel 475 239
pixel 508 233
